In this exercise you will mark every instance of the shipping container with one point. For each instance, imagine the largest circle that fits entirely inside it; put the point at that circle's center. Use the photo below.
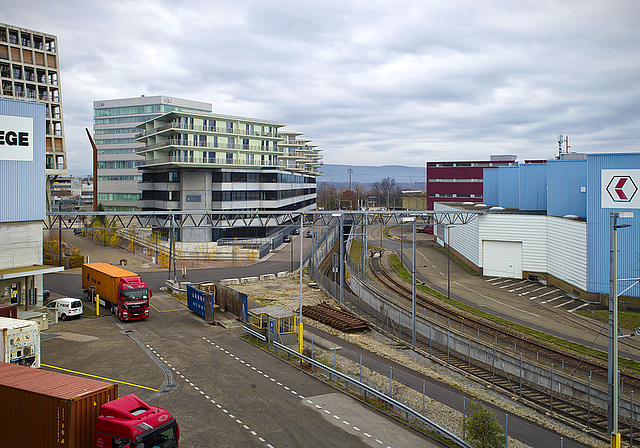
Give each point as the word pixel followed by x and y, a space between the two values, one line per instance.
pixel 9 310
pixel 48 409
pixel 20 342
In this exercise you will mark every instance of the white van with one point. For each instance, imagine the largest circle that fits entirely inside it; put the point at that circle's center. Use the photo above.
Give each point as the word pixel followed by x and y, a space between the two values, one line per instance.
pixel 66 307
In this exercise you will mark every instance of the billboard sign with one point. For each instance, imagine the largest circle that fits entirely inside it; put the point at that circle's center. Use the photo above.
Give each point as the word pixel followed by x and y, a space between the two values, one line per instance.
pixel 16 138
pixel 620 188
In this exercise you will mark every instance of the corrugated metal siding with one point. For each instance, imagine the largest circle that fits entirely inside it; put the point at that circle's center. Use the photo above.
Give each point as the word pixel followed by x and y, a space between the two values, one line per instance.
pixel 508 186
pixel 598 227
pixel 49 409
pixel 567 251
pixel 23 183
pixel 464 238
pixel 490 186
pixel 565 178
pixel 530 230
pixel 532 194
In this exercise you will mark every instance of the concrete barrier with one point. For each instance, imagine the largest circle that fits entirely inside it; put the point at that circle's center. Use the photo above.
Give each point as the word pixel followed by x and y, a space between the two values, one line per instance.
pixel 283 274
pixel 248 279
pixel 229 281
pixel 267 277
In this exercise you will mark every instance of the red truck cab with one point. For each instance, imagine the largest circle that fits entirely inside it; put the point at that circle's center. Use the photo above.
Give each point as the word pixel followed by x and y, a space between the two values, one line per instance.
pixel 129 422
pixel 133 299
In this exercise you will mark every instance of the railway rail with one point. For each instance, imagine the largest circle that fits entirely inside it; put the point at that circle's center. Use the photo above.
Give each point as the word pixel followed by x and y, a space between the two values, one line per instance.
pixel 335 317
pixel 578 414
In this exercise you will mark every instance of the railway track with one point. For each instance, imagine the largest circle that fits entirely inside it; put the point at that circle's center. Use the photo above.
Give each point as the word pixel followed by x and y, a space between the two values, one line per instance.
pixel 335 317
pixel 575 413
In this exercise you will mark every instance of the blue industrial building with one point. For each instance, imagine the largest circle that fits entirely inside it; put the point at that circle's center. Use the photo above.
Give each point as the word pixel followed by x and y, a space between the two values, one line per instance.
pixel 22 201
pixel 574 190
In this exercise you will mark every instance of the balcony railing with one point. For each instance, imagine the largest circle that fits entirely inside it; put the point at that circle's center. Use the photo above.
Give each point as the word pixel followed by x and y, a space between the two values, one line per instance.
pixel 218 130
pixel 211 161
pixel 207 146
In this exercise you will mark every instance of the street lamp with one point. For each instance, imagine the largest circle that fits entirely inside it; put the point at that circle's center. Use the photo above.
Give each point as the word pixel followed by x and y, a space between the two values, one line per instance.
pixel 612 411
pixel 413 281
pixel 448 227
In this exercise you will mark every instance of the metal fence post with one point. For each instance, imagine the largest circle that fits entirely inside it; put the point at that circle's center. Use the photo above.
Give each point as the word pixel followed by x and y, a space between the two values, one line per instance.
pixel 551 409
pixel 493 361
pixel 506 430
pixel 423 394
pixel 631 429
pixel 469 360
pixel 520 374
pixel 464 417
pixel 447 346
pixel 589 404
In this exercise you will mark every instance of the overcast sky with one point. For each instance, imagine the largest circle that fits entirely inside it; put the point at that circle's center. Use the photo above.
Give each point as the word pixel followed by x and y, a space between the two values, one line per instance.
pixel 371 82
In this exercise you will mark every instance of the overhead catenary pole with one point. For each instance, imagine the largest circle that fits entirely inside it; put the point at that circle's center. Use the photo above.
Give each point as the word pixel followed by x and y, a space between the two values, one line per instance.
pixel 413 287
pixel 341 239
pixel 613 374
pixel 300 329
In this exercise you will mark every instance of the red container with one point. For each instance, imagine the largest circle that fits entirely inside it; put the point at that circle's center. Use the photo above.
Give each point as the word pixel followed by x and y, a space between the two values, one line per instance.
pixel 8 310
pixel 48 409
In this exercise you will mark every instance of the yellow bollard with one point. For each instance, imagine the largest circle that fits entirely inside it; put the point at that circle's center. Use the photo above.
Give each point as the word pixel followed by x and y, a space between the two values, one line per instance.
pixel 616 439
pixel 97 304
pixel 300 337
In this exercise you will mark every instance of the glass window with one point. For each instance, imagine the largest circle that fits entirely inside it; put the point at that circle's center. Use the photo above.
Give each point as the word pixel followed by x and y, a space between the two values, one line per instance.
pixel 229 157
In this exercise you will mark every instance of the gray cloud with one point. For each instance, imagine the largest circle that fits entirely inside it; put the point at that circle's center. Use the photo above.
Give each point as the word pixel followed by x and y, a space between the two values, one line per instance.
pixel 370 82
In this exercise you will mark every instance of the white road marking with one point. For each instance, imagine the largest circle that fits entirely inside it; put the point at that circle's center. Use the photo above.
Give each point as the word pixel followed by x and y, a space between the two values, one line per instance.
pixel 497 301
pixel 551 300
pixel 578 307
pixel 565 303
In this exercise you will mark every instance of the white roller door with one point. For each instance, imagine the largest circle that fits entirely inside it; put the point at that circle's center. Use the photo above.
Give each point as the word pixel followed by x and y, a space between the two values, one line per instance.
pixel 502 259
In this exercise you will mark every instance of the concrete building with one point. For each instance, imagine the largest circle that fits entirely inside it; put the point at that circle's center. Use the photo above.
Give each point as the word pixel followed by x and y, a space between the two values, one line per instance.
pixel 30 71
pixel 114 130
pixel 553 224
pixel 22 201
pixel 72 192
pixel 206 161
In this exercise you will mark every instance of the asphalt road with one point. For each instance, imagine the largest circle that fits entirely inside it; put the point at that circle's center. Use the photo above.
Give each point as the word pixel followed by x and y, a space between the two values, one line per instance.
pixel 68 283
pixel 223 391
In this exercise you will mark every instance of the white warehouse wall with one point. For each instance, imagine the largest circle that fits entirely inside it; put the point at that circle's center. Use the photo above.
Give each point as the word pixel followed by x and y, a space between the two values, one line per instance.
pixel 552 245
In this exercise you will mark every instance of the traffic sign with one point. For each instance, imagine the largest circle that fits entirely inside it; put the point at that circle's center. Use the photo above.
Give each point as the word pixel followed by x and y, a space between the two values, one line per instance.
pixel 620 188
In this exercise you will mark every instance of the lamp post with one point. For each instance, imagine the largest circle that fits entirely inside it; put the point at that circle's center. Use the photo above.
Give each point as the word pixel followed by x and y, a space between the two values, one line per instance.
pixel 612 411
pixel 448 227
pixel 413 281
pixel 300 329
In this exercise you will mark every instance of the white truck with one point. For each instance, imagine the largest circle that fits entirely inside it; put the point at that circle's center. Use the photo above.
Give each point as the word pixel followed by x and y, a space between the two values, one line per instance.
pixel 20 342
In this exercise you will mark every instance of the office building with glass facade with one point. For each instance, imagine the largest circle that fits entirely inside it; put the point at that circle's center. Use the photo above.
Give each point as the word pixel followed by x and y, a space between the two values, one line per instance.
pixel 206 161
pixel 114 130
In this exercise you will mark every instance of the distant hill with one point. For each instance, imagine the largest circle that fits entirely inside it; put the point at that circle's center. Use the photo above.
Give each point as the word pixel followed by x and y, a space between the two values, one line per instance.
pixel 405 176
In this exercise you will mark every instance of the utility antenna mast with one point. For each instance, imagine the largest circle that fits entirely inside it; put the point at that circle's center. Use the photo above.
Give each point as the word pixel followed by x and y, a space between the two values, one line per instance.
pixel 563 139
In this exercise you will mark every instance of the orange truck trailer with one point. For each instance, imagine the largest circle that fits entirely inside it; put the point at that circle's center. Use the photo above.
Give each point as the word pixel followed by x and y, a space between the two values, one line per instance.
pixel 124 293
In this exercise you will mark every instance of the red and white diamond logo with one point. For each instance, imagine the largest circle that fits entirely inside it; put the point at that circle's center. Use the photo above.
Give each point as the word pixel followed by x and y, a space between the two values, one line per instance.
pixel 621 188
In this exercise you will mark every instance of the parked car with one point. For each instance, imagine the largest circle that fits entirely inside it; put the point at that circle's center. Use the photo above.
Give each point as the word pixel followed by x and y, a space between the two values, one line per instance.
pixel 66 307
pixel 295 231
pixel 286 239
pixel 309 234
pixel 77 231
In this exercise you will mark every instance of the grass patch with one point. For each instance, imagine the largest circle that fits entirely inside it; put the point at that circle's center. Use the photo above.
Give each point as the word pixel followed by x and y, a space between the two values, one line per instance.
pixel 559 342
pixel 626 319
